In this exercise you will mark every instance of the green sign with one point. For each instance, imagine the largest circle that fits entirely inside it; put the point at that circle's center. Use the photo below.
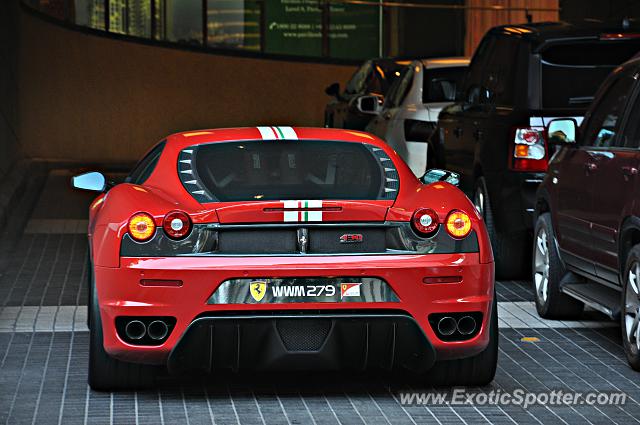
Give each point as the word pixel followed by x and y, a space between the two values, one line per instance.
pixel 294 27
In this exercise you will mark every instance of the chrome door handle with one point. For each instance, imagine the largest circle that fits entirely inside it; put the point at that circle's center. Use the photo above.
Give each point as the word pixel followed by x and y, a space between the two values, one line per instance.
pixel 591 166
pixel 629 171
pixel 457 131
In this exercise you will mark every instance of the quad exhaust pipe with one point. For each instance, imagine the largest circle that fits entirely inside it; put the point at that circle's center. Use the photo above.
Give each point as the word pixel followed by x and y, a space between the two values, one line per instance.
pixel 447 326
pixel 135 330
pixel 157 330
pixel 466 325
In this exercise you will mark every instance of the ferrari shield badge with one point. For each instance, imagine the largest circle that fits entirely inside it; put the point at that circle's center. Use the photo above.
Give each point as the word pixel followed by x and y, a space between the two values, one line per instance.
pixel 258 289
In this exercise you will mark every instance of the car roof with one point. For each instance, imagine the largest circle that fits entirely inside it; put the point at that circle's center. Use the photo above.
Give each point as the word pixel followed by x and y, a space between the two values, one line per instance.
pixel 182 140
pixel 541 33
pixel 445 62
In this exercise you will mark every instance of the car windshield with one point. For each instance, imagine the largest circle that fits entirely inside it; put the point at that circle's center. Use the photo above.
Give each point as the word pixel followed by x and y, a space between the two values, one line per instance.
pixel 261 171
pixel 441 84
pixel 572 72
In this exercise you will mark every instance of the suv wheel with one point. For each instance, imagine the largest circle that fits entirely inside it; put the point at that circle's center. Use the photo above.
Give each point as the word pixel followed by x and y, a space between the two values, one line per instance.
pixel 509 250
pixel 630 316
pixel 548 270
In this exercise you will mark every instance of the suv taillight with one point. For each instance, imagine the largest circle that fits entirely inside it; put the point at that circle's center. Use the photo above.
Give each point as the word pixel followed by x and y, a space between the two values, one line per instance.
pixel 529 150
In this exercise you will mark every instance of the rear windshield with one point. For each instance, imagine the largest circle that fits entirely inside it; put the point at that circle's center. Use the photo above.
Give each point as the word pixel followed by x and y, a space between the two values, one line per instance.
pixel 268 170
pixel 442 84
pixel 572 72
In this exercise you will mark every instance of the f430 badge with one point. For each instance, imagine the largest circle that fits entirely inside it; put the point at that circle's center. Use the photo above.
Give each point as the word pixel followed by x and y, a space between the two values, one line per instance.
pixel 351 238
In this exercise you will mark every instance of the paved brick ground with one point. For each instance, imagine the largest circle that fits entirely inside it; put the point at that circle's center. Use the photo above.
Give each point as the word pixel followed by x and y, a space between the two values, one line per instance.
pixel 44 350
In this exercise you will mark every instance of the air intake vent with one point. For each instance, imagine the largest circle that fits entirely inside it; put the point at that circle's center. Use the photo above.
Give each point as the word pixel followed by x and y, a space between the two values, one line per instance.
pixel 303 335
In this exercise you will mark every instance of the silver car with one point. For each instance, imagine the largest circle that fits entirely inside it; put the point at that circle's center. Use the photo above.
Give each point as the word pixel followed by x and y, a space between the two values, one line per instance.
pixel 410 111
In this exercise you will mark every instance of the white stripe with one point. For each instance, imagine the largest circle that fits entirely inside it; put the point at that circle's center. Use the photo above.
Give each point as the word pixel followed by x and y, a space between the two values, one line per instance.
pixel 289 133
pixel 291 216
pixel 267 133
pixel 314 216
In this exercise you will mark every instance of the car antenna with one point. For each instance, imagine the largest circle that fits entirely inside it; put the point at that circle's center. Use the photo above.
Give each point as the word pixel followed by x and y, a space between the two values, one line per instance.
pixel 529 16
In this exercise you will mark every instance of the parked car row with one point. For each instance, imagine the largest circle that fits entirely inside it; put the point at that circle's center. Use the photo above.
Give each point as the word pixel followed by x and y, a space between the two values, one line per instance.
pixel 533 166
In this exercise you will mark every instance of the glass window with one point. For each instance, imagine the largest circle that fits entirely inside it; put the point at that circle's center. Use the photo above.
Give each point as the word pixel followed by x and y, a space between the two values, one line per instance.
pixel 254 170
pixel 499 74
pixel 631 134
pixel 183 21
pixel 139 18
pixel 572 72
pixel 441 84
pixel 603 120
pixel 145 167
pixel 353 30
pixel 400 88
pixel 358 81
pixel 233 24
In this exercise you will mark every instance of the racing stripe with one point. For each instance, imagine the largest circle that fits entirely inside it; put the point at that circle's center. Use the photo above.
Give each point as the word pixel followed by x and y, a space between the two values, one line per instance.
pixel 288 133
pixel 279 133
pixel 290 215
pixel 299 215
pixel 267 133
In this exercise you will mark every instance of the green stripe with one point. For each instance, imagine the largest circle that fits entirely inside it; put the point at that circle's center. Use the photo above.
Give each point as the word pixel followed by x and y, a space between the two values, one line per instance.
pixel 306 213
pixel 280 131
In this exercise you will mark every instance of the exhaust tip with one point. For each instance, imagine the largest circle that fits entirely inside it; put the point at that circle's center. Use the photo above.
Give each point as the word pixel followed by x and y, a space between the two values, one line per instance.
pixel 446 326
pixel 466 325
pixel 157 330
pixel 135 330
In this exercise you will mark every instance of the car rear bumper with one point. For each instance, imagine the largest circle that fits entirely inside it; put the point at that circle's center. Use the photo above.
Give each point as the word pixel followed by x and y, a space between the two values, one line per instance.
pixel 258 326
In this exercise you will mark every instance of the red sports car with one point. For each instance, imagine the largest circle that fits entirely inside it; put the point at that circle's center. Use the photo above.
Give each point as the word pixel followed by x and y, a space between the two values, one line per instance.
pixel 276 248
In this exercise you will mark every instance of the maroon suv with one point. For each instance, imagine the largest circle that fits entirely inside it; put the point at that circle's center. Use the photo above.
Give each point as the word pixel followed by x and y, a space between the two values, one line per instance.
pixel 586 247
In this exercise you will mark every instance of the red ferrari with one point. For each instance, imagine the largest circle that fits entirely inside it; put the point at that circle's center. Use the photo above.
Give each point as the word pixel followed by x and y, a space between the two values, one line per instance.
pixel 280 248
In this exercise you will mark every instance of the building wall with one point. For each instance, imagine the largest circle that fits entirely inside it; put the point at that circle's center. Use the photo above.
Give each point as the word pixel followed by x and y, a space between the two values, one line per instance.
pixel 479 21
pixel 92 98
pixel 9 44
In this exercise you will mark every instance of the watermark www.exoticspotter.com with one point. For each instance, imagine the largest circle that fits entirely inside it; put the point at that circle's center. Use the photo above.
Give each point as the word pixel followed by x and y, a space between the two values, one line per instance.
pixel 517 397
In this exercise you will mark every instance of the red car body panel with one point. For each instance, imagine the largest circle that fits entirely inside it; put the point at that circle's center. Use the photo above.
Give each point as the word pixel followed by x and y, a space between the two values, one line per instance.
pixel 117 279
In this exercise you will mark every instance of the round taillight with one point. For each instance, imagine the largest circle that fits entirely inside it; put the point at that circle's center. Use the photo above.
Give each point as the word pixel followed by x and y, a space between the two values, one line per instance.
pixel 141 227
pixel 176 224
pixel 425 221
pixel 458 224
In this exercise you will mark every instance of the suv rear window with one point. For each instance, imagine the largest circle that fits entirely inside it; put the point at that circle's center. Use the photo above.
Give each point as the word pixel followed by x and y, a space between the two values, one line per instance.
pixel 261 171
pixel 572 72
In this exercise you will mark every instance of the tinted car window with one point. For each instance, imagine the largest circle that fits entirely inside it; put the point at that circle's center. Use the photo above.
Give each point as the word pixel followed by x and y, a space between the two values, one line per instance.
pixel 631 134
pixel 474 77
pixel 358 81
pixel 399 89
pixel 145 167
pixel 498 77
pixel 259 171
pixel 603 121
pixel 572 72
pixel 442 84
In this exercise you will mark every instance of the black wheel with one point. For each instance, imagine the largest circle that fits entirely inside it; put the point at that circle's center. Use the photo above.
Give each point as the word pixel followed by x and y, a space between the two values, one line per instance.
pixel 473 371
pixel 548 270
pixel 509 250
pixel 107 373
pixel 630 312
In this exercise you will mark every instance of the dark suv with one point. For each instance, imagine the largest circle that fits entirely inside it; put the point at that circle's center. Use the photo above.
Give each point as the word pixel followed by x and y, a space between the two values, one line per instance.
pixel 520 77
pixel 373 78
pixel 587 232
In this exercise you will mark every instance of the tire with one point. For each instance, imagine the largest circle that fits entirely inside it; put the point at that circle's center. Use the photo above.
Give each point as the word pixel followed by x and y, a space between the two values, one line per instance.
pixel 478 370
pixel 107 373
pixel 547 272
pixel 509 250
pixel 630 308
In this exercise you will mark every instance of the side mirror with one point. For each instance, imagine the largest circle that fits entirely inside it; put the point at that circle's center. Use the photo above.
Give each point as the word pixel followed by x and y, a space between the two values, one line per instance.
pixel 368 105
pixel 437 175
pixel 333 90
pixel 562 131
pixel 93 181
